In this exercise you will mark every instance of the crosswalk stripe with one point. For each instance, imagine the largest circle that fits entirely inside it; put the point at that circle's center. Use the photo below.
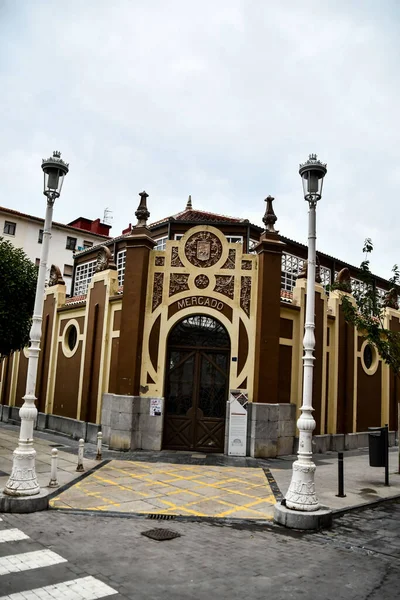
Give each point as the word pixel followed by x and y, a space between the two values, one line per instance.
pixel 84 588
pixel 12 535
pixel 25 561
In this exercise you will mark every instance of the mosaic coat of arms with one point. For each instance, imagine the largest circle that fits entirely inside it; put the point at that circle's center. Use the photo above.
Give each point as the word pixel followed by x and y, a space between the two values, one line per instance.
pixel 203 249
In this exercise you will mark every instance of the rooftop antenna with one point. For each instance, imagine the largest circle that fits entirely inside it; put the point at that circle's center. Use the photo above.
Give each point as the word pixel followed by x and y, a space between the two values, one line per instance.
pixel 107 218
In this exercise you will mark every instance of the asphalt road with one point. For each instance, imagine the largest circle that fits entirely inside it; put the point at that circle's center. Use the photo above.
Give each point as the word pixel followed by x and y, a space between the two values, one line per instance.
pixel 358 559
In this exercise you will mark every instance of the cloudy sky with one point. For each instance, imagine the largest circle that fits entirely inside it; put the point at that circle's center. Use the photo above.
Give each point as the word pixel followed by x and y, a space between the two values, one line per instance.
pixel 220 99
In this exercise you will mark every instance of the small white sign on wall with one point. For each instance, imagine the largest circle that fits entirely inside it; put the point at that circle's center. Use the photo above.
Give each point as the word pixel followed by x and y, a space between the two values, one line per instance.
pixel 155 407
pixel 237 439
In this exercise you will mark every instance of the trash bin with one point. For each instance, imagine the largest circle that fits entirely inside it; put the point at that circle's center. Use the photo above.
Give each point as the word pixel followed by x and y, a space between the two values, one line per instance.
pixel 377 446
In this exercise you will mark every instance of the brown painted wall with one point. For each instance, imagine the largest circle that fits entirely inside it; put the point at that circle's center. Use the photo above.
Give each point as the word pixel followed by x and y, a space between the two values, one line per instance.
pixel 345 375
pixel 133 310
pixel 67 383
pixel 285 373
pixel 266 368
pixel 394 387
pixel 94 338
pixel 318 353
pixel 112 382
pixel 369 390
pixel 5 397
pixel 286 328
pixel 45 354
pixel 21 380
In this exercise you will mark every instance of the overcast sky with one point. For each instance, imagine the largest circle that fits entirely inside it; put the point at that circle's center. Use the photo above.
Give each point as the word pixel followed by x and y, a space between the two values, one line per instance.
pixel 220 99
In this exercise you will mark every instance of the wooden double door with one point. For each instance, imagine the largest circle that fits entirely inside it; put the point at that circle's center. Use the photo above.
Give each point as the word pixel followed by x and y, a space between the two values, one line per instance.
pixel 197 385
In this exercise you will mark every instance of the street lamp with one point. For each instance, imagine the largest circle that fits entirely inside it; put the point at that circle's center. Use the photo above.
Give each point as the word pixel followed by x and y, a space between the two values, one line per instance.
pixel 23 480
pixel 301 493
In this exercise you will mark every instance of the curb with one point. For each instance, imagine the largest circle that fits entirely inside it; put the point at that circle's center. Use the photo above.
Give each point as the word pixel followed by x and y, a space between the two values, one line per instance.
pixel 338 512
pixel 30 504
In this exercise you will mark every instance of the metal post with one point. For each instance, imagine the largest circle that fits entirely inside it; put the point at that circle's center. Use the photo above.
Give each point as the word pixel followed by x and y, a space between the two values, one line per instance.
pixel 80 455
pixel 23 480
pixel 386 433
pixel 301 493
pixel 340 493
pixel 99 443
pixel 53 475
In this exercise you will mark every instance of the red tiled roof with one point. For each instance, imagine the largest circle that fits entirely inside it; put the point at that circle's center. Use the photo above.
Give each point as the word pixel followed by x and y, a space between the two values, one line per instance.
pixel 76 299
pixel 286 296
pixel 201 216
pixel 17 213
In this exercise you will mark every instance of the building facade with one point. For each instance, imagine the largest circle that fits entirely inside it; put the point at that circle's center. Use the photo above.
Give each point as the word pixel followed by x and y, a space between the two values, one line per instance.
pixel 167 319
pixel 26 232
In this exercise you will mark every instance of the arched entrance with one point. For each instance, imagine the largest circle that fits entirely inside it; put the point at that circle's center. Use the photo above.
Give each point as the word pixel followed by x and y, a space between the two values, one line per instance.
pixel 196 385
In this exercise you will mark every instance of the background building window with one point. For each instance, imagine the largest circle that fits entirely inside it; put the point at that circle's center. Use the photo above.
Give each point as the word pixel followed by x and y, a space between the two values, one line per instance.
pixel 161 243
pixel 178 236
pixel 87 244
pixel 71 243
pixel 68 270
pixel 9 228
pixel 83 276
pixel 37 262
pixel 40 236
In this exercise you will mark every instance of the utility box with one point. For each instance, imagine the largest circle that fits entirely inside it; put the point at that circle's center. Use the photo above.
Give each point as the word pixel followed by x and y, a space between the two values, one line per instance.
pixel 377 446
pixel 237 438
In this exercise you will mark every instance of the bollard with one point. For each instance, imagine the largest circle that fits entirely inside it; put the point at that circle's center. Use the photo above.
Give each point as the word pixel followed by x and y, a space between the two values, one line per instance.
pixel 386 454
pixel 53 474
pixel 99 442
pixel 340 493
pixel 80 455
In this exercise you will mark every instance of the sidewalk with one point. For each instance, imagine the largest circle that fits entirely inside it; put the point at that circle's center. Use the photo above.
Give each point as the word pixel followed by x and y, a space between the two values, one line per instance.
pixel 189 484
pixel 67 462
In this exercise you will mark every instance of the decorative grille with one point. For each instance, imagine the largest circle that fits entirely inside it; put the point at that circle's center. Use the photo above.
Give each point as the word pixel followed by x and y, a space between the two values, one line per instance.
pixel 83 275
pixel 291 267
pixel 121 259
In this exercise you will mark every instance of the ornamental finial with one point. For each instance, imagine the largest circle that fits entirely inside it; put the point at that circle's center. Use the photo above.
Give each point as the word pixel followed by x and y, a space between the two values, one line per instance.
pixel 189 203
pixel 142 213
pixel 270 217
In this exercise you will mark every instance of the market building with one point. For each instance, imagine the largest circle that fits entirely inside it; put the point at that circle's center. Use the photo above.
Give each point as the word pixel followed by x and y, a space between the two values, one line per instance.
pixel 166 319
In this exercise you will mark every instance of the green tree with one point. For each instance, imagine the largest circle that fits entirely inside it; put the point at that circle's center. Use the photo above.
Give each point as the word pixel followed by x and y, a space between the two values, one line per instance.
pixel 17 295
pixel 368 313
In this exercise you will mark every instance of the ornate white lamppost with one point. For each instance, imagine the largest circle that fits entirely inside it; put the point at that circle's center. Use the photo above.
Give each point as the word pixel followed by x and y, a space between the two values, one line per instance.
pixel 301 508
pixel 23 481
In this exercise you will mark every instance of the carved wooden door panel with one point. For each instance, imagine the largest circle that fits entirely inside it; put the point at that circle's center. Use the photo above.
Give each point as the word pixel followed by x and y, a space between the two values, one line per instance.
pixel 197 385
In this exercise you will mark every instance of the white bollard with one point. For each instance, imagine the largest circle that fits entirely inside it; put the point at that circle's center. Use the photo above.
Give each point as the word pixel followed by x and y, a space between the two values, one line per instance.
pixel 99 442
pixel 53 473
pixel 80 455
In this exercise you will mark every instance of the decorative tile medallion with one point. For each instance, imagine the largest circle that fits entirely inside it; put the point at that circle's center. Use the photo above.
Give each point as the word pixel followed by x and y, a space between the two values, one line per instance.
pixel 225 284
pixel 201 281
pixel 245 294
pixel 203 249
pixel 159 261
pixel 178 282
pixel 230 261
pixel 175 260
pixel 157 289
pixel 246 265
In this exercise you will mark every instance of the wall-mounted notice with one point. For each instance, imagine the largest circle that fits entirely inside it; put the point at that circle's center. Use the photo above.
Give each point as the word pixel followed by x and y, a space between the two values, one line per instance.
pixel 155 407
pixel 237 439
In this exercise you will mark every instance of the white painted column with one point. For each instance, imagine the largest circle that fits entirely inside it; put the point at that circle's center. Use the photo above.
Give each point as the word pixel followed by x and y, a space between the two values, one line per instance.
pixel 23 480
pixel 301 493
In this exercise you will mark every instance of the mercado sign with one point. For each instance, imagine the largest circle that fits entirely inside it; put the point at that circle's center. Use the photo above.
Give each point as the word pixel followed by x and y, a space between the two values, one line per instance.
pixel 200 302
